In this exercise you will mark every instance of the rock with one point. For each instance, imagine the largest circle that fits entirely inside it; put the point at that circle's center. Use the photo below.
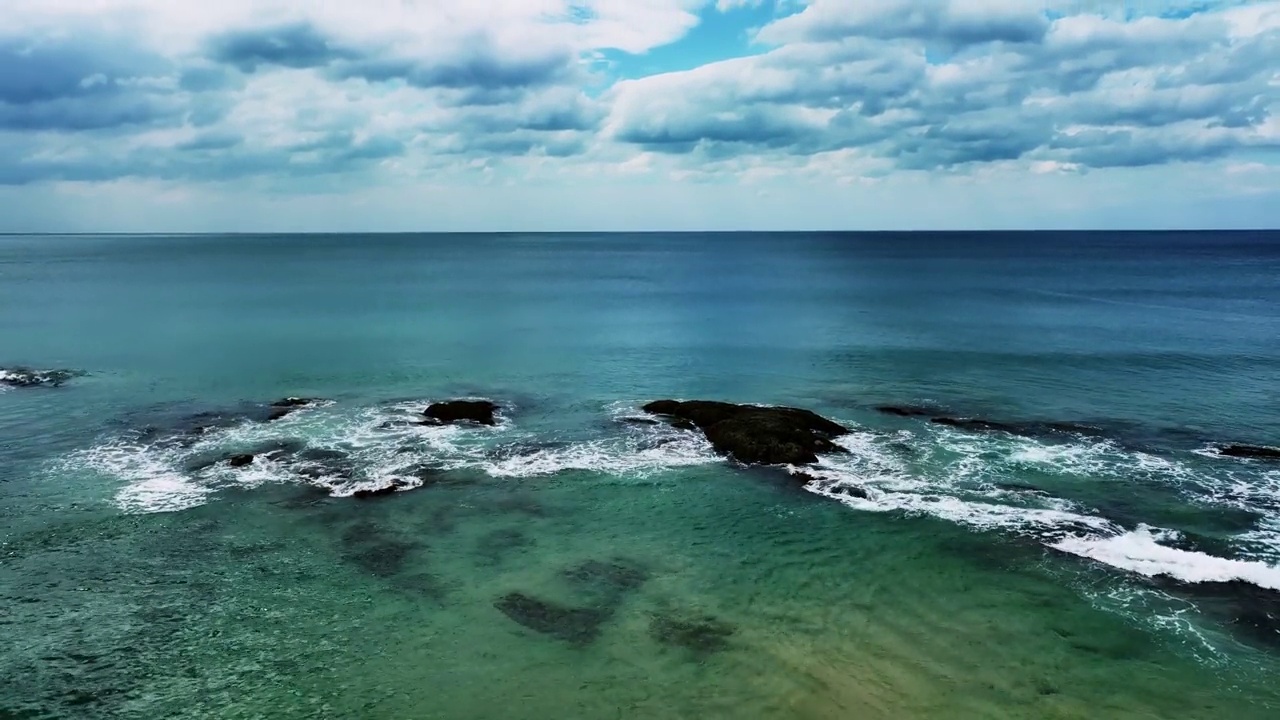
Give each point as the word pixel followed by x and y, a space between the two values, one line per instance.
pixel 1250 451
pixel 382 491
pixel 756 435
pixel 973 425
pixel 577 626
pixel 904 410
pixel 453 411
pixel 367 493
pixel 240 460
pixel 287 406
pixel 27 377
pixel 638 421
pixel 1020 487
pixel 851 491
pixel 702 635
pixel 293 402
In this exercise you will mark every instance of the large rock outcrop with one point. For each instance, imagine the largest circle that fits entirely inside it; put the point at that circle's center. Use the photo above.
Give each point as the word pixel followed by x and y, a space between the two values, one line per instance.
pixel 1256 452
pixel 482 412
pixel 753 434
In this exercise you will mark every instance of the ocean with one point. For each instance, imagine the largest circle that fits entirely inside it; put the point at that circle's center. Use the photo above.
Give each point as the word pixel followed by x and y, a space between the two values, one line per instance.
pixel 1071 541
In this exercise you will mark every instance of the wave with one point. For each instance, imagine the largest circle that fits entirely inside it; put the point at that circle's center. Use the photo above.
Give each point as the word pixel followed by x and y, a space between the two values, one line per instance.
pixel 347 452
pixel 980 482
pixel 1140 551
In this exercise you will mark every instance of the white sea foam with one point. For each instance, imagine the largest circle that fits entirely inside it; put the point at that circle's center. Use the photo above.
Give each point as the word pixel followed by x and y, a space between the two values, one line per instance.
pixel 373 448
pixel 154 484
pixel 1139 551
pixel 614 456
pixel 966 491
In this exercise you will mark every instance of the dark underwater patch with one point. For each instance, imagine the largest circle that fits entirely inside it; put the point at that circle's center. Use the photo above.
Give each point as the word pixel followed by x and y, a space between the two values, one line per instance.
pixel 574 625
pixel 700 635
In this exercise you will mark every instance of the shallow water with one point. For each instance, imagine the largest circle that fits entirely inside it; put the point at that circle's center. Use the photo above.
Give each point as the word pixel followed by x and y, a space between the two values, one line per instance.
pixel 569 563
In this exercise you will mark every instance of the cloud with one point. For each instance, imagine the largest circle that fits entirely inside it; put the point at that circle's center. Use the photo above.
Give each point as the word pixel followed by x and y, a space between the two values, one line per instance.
pixel 1076 91
pixel 298 45
pixel 955 22
pixel 296 97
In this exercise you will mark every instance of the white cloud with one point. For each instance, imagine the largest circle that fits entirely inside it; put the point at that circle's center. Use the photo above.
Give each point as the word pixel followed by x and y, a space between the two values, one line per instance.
pixel 309 98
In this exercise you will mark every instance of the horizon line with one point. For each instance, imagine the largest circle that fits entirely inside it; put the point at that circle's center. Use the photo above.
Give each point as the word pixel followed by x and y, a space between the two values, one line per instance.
pixel 234 233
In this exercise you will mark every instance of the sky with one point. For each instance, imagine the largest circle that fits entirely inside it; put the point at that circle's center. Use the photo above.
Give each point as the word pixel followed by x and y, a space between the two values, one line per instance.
pixel 587 115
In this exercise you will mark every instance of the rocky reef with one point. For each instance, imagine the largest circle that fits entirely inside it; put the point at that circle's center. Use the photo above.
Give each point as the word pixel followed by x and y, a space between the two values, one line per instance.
pixel 753 434
pixel 27 377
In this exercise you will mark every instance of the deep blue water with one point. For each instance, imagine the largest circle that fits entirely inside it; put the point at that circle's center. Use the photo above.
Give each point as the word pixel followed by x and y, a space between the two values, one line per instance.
pixel 1166 344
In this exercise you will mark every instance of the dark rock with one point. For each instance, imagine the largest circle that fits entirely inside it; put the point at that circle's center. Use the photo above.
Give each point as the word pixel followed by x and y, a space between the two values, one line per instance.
pixel 453 411
pixel 240 460
pixel 293 402
pixel 383 491
pixel 287 406
pixel 851 491
pixel 1071 428
pixel 1020 487
pixel 577 626
pixel 702 636
pixel 905 410
pixel 638 421
pixel 973 425
pixel 1250 451
pixel 756 435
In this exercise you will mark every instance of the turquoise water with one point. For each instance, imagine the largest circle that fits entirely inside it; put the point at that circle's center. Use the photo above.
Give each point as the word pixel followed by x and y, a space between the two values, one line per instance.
pixel 1119 567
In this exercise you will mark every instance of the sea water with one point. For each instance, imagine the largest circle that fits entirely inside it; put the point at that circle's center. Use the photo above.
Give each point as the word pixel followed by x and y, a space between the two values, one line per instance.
pixel 1094 555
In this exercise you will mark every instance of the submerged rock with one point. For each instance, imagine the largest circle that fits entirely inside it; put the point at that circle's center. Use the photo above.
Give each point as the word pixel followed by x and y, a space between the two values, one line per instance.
pixel 1250 451
pixel 606 583
pixel 27 377
pixel 577 626
pixel 701 635
pixel 974 425
pixel 756 435
pixel 905 410
pixel 453 411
